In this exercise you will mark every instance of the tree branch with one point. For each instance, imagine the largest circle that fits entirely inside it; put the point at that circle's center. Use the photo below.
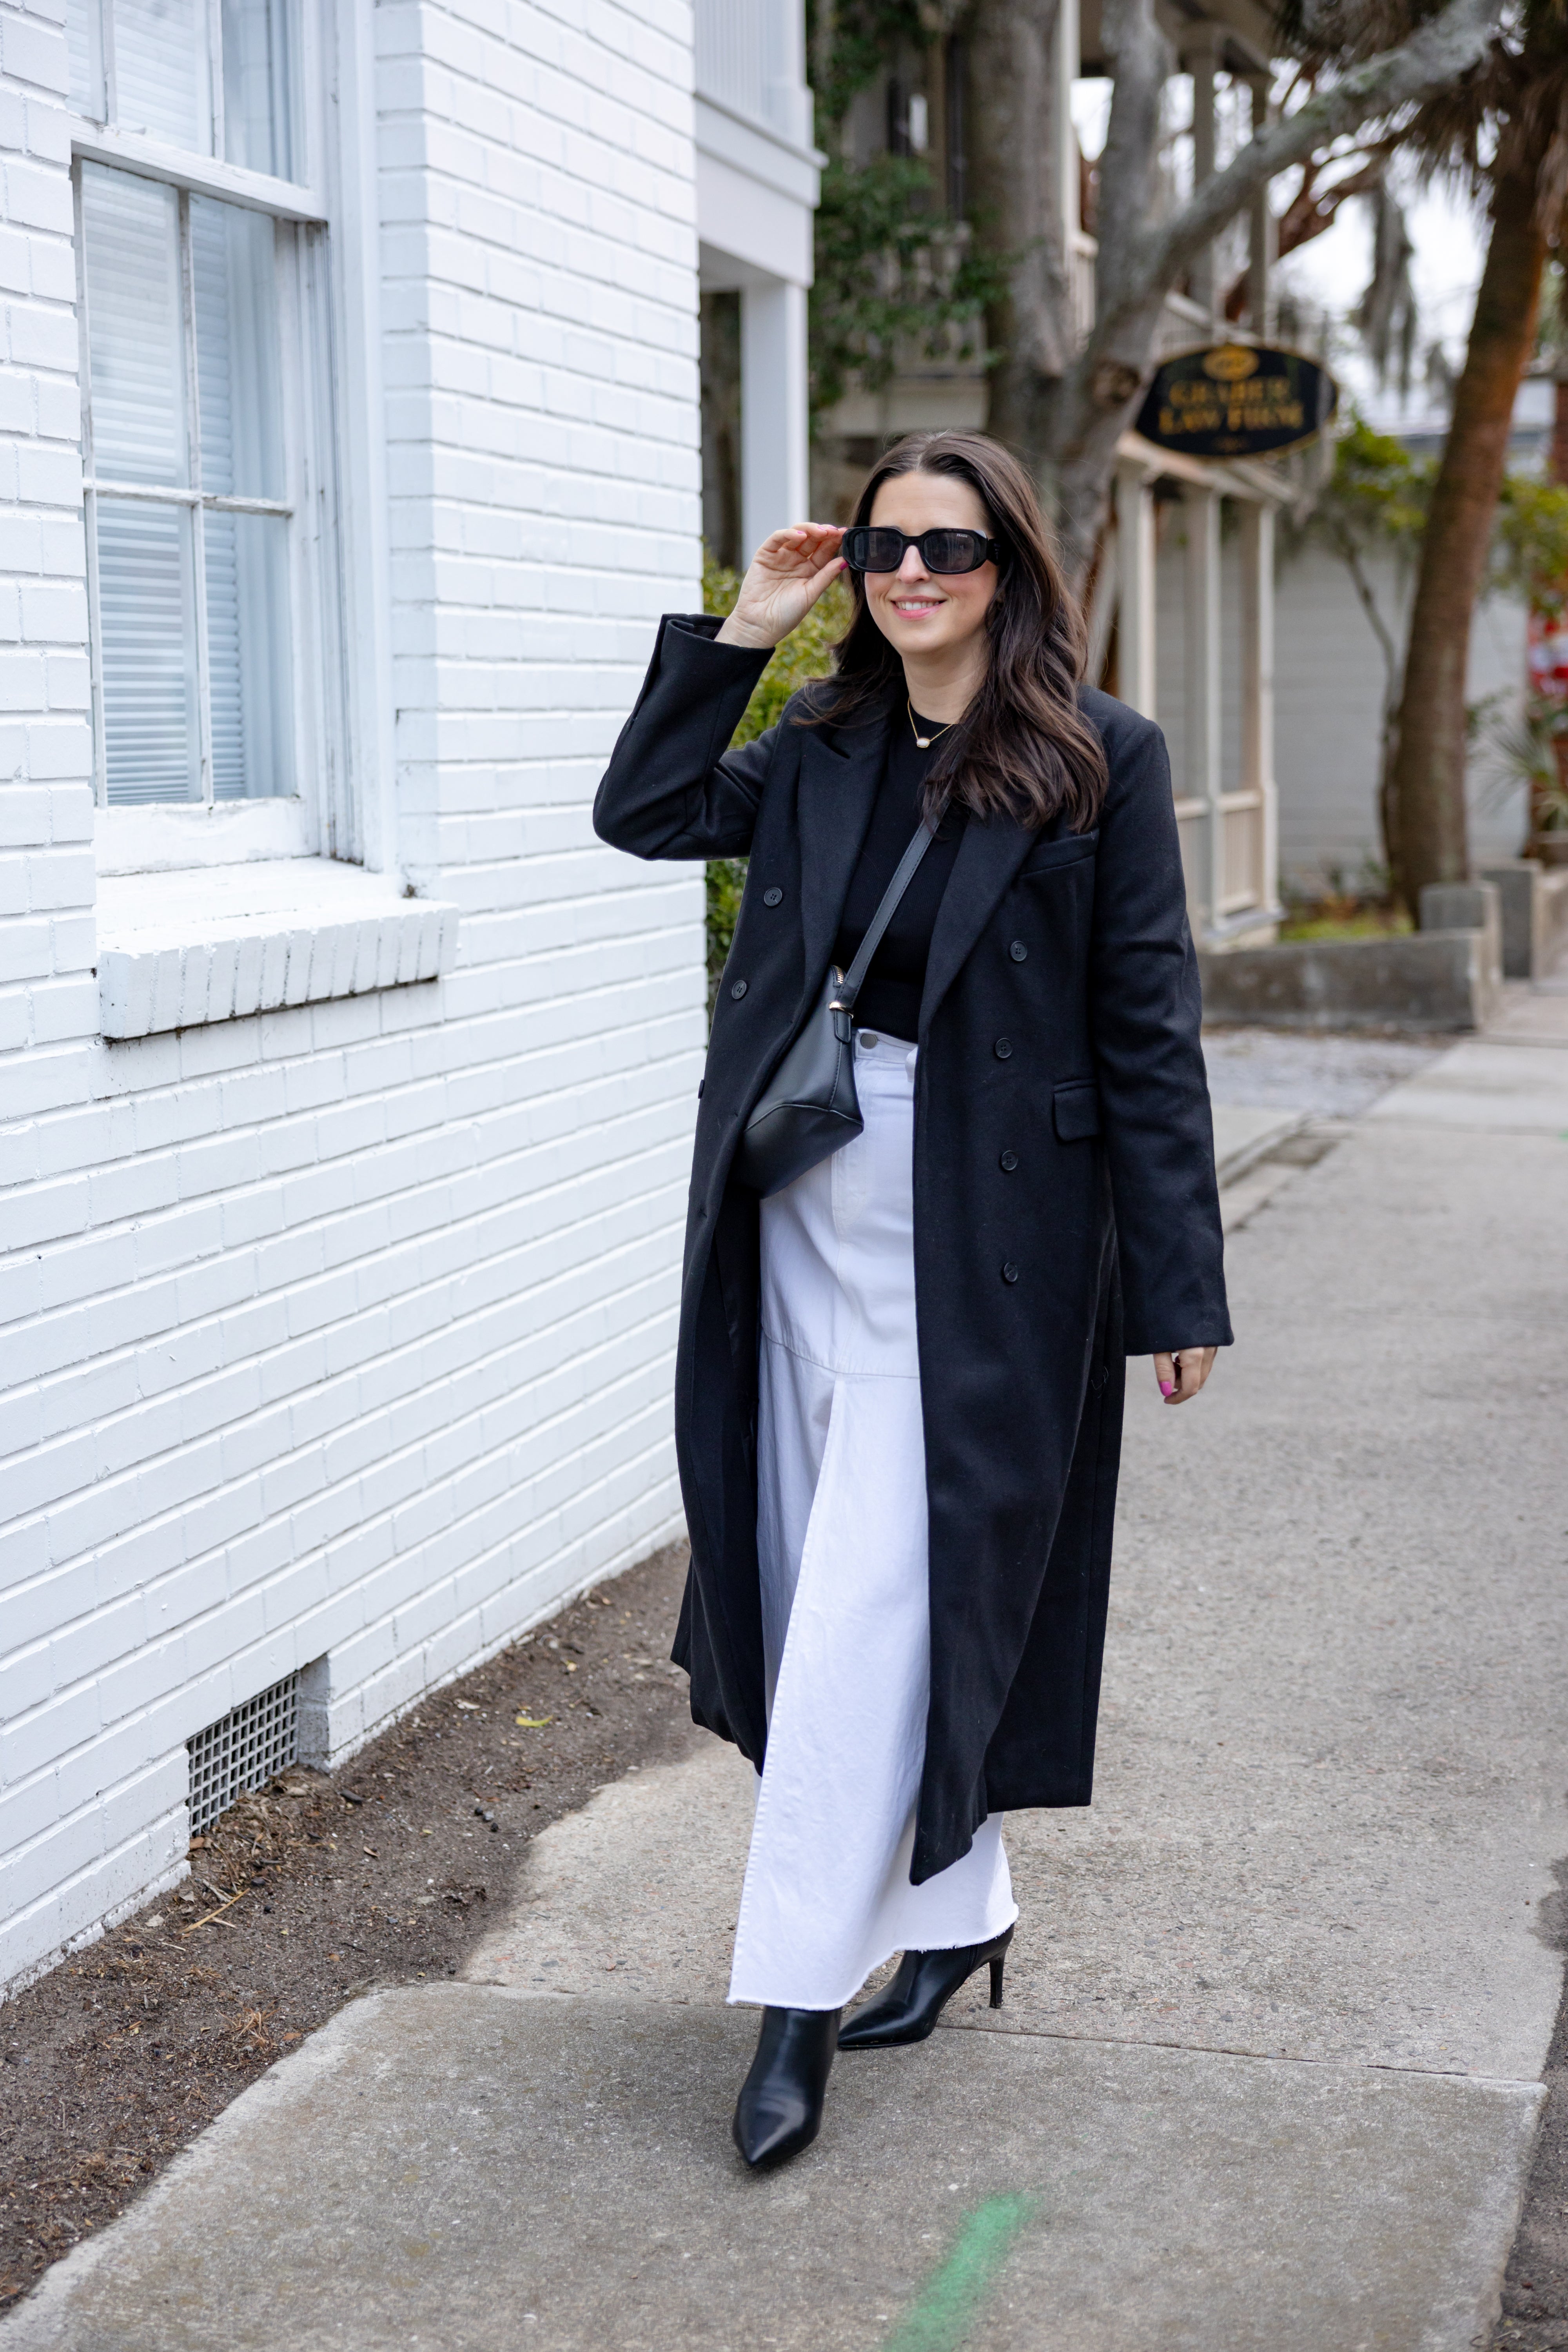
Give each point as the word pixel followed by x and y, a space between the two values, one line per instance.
pixel 1349 554
pixel 1141 61
pixel 1427 62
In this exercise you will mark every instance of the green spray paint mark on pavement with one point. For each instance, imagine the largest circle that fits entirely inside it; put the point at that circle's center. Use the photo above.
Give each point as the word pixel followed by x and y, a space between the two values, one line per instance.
pixel 941 2320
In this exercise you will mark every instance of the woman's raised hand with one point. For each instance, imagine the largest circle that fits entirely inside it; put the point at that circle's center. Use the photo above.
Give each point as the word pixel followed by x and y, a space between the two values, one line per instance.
pixel 786 576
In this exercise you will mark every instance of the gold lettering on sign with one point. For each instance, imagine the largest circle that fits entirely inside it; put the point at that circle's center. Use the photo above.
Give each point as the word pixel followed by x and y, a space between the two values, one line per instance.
pixel 1269 404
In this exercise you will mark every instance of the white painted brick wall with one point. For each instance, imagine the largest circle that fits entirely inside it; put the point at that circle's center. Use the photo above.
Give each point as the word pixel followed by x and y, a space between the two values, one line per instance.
pixel 346 1329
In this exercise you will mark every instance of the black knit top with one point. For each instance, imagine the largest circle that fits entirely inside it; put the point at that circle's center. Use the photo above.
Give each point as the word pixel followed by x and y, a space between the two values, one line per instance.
pixel 890 999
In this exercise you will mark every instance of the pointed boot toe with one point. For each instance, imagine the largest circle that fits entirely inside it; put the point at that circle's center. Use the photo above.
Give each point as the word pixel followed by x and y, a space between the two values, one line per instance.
pixel 779 2111
pixel 896 2014
pixel 909 2005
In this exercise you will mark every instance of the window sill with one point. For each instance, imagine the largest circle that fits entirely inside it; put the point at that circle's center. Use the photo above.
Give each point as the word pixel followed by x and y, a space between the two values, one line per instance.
pixel 178 949
pixel 161 836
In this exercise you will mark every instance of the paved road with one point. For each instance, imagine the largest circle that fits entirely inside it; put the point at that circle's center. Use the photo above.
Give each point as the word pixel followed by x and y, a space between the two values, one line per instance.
pixel 1268 2073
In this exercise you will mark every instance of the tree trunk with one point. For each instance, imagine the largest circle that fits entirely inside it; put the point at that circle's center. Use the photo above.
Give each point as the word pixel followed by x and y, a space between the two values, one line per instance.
pixel 1540 792
pixel 1097 403
pixel 1388 719
pixel 1429 839
pixel 1015 191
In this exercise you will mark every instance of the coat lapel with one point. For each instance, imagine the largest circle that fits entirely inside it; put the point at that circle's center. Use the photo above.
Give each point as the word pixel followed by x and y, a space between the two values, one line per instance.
pixel 988 856
pixel 839 774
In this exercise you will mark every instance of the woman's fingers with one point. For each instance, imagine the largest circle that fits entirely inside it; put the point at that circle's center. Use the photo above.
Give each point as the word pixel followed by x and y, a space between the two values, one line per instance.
pixel 787 574
pixel 797 552
pixel 1182 1372
pixel 825 579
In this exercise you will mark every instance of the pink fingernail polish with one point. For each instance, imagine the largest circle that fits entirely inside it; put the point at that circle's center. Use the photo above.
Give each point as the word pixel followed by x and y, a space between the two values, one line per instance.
pixel 1167 1388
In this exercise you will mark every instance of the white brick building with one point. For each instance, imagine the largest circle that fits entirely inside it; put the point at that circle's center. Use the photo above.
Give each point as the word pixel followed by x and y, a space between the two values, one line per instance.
pixel 346 1082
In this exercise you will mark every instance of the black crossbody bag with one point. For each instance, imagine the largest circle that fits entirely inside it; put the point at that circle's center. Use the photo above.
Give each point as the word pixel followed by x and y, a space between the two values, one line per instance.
pixel 809 1108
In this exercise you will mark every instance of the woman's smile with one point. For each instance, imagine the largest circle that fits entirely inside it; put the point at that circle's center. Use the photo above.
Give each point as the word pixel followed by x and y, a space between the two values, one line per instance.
pixel 938 626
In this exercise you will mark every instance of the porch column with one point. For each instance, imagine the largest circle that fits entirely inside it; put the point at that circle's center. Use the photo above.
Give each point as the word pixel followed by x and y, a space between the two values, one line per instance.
pixel 1199 56
pixel 1263 238
pixel 1135 563
pixel 773 446
pixel 1258 689
pixel 1202 715
pixel 1064 73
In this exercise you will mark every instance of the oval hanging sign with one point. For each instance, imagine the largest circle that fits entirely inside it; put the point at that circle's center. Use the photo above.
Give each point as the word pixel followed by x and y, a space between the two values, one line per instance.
pixel 1237 400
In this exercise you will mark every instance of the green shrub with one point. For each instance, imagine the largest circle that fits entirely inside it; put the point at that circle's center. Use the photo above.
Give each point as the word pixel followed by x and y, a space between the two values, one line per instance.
pixel 805 654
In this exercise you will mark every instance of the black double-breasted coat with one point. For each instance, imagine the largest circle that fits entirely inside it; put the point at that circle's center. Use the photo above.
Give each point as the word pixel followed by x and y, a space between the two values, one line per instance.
pixel 1066 1212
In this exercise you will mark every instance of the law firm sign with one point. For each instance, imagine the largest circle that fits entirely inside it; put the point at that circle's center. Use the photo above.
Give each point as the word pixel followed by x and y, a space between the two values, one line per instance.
pixel 1238 399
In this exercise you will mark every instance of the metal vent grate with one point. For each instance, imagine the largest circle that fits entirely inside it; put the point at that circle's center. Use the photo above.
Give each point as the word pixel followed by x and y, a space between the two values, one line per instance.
pixel 243 1749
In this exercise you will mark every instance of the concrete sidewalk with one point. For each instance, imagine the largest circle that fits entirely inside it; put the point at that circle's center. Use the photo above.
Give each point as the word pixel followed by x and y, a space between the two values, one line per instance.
pixel 1269 2071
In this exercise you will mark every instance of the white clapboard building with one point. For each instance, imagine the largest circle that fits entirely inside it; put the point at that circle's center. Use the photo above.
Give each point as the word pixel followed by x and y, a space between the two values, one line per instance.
pixel 348 449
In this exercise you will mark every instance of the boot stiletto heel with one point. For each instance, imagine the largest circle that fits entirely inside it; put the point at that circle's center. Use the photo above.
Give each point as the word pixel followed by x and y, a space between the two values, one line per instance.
pixel 907 2010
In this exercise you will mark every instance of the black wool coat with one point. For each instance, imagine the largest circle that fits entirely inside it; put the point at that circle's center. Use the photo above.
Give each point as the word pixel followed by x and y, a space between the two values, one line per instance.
pixel 1066 1212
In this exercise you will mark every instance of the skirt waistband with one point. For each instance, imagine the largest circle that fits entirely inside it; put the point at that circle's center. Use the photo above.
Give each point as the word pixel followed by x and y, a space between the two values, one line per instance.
pixel 883 1059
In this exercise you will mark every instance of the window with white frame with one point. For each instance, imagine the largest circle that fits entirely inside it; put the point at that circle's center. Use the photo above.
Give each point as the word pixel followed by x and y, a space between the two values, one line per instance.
pixel 203 341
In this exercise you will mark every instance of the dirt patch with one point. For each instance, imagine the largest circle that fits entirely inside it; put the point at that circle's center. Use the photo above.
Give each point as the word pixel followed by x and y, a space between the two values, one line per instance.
pixel 308 1893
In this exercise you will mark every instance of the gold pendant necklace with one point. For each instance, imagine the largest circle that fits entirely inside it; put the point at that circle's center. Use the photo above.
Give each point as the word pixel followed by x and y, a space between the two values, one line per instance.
pixel 925 741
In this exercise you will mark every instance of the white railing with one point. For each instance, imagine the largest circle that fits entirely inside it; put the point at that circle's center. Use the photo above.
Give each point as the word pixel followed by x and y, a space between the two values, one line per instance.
pixel 749 59
pixel 1183 323
pixel 1081 252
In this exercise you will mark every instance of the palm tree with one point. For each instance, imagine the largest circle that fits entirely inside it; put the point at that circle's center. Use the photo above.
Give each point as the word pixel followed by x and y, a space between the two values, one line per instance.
pixel 1503 126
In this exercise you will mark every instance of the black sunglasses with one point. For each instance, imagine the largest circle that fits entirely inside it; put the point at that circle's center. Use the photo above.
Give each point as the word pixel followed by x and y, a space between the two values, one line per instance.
pixel 868 549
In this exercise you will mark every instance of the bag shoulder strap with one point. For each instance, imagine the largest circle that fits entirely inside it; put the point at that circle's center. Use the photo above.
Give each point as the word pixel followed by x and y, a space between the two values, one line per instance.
pixel 854 979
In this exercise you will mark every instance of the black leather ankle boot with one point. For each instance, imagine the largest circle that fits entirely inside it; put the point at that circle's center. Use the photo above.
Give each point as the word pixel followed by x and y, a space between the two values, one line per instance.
pixel 907 2008
pixel 779 2111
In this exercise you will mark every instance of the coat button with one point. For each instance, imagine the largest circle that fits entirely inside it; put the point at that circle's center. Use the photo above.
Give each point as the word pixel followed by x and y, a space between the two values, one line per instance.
pixel 1009 1271
pixel 739 990
pixel 1003 1049
pixel 1009 1161
pixel 1018 951
pixel 772 897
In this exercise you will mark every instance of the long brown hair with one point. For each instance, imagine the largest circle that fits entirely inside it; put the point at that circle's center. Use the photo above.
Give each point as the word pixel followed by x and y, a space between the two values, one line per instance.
pixel 1023 747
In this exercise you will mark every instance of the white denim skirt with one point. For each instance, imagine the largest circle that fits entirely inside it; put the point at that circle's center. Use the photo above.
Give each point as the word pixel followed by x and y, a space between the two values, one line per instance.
pixel 842 1546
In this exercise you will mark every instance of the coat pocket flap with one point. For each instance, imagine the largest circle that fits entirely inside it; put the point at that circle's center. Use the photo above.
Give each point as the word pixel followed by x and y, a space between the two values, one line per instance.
pixel 1050 857
pixel 1075 1108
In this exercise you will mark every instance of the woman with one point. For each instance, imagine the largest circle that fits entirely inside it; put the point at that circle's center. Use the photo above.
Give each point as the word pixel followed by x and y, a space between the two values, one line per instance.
pixel 900 1381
